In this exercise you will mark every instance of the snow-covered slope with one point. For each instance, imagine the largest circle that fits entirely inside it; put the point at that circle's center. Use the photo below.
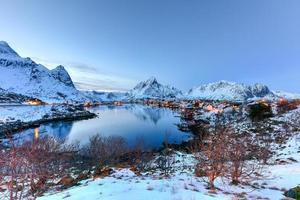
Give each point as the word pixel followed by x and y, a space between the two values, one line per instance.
pixel 287 95
pixel 225 90
pixel 24 76
pixel 9 98
pixel 153 89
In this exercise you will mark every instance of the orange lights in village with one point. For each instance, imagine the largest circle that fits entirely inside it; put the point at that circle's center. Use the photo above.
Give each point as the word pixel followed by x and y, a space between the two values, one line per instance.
pixel 34 102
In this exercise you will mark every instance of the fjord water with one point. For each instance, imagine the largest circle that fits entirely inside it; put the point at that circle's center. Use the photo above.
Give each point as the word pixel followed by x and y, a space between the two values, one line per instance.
pixel 133 123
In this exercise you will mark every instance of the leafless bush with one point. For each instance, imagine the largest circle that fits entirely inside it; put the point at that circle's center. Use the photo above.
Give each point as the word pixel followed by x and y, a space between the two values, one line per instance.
pixel 166 160
pixel 244 155
pixel 139 155
pixel 284 105
pixel 29 167
pixel 211 157
pixel 101 151
pixel 225 153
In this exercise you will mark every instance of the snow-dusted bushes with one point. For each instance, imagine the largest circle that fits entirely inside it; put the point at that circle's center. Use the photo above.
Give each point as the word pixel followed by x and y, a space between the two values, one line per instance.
pixel 284 105
pixel 225 153
pixel 101 151
pixel 27 169
pixel 211 157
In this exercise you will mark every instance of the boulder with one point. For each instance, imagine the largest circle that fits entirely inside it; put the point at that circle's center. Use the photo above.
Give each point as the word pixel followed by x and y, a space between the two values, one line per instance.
pixel 67 181
pixel 103 172
pixel 293 193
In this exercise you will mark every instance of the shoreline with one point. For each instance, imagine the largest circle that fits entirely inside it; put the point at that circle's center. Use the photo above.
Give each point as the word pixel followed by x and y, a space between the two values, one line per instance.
pixel 9 128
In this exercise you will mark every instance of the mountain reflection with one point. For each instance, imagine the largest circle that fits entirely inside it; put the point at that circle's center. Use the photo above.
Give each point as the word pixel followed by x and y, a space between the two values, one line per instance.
pixel 143 113
pixel 149 114
pixel 57 129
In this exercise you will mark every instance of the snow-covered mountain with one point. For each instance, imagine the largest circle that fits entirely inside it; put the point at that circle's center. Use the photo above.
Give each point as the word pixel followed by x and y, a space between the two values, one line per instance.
pixel 24 76
pixel 151 88
pixel 225 90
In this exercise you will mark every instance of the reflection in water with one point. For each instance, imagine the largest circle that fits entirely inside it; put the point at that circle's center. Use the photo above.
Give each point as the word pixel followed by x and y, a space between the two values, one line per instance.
pixel 36 134
pixel 147 113
pixel 132 122
pixel 56 130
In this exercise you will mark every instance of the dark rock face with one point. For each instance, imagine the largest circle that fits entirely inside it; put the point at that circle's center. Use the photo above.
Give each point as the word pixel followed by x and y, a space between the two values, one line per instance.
pixel 260 90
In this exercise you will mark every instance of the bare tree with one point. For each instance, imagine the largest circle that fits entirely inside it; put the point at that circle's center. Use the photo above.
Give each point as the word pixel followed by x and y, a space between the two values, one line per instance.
pixel 243 155
pixel 225 153
pixel 211 157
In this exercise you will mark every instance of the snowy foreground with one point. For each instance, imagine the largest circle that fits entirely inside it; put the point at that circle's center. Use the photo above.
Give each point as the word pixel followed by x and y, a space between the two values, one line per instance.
pixel 182 185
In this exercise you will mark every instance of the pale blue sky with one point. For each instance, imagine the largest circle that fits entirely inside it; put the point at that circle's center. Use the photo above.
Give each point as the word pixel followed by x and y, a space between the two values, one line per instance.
pixel 111 45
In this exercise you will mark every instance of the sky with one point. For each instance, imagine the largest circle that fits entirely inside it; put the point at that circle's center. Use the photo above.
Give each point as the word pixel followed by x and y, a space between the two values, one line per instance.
pixel 112 45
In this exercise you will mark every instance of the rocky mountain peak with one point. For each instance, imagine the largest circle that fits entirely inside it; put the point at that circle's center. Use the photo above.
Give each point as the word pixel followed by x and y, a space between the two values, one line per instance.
pixel 61 74
pixel 151 88
pixel 5 49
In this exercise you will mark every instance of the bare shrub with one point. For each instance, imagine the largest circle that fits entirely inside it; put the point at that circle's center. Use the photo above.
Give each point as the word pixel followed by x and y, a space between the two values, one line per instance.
pixel 166 160
pixel 139 155
pixel 284 105
pixel 225 153
pixel 28 168
pixel 243 154
pixel 211 157
pixel 101 151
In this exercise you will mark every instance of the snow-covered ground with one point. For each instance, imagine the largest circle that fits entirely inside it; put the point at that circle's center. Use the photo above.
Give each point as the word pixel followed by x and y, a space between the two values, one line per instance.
pixel 23 113
pixel 124 184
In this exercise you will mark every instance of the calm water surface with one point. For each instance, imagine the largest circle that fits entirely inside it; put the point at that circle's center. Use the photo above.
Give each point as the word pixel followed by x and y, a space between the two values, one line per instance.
pixel 132 122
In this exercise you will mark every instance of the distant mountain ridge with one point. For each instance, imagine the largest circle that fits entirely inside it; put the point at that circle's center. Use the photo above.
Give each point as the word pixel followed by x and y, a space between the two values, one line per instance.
pixel 225 90
pixel 22 76
pixel 105 96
